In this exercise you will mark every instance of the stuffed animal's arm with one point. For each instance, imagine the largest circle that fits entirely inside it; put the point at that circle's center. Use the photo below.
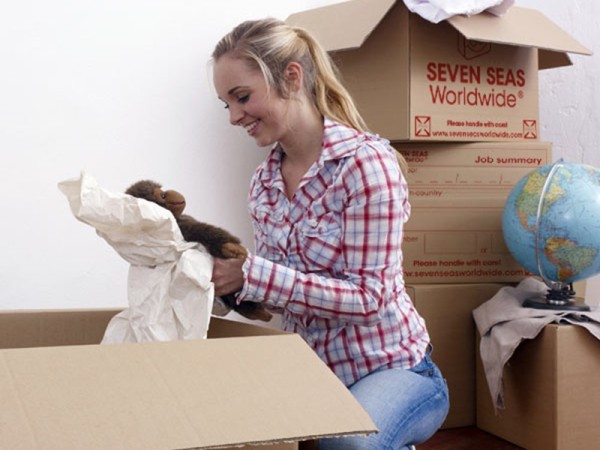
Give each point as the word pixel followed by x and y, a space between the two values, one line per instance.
pixel 218 242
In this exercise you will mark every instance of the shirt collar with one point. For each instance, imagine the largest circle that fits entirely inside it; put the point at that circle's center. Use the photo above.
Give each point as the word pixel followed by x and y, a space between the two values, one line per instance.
pixel 339 141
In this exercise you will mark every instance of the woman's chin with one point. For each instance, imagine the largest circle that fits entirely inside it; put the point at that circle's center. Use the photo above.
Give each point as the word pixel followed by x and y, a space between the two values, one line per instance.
pixel 263 142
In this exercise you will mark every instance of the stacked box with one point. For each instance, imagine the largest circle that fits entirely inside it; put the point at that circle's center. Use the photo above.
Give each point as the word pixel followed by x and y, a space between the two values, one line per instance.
pixel 459 99
pixel 550 391
pixel 447 311
pixel 457 193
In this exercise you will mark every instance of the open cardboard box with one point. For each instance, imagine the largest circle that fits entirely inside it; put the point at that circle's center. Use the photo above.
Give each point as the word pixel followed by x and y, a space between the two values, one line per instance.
pixel 464 79
pixel 61 390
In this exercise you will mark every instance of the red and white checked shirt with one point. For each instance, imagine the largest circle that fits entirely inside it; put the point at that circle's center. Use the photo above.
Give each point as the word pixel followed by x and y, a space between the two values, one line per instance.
pixel 330 258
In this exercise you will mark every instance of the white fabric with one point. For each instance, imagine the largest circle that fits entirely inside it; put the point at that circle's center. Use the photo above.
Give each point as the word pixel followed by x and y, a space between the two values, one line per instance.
pixel 504 323
pixel 437 10
pixel 169 290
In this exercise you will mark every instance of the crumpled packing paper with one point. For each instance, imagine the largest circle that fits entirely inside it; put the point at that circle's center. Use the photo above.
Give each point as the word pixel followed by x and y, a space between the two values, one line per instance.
pixel 170 294
pixel 504 323
pixel 437 10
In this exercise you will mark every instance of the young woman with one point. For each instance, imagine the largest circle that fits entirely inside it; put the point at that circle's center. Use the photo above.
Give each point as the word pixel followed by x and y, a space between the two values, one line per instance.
pixel 328 206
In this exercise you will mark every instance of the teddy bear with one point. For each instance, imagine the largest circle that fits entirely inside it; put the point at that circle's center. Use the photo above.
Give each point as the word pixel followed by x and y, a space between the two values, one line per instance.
pixel 217 241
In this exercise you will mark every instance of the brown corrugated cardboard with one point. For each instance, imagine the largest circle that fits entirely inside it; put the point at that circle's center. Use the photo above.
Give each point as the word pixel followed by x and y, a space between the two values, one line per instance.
pixel 257 389
pixel 447 310
pixel 551 392
pixel 457 194
pixel 465 79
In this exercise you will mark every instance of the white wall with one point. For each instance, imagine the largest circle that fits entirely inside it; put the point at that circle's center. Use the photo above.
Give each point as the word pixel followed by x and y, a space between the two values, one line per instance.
pixel 121 90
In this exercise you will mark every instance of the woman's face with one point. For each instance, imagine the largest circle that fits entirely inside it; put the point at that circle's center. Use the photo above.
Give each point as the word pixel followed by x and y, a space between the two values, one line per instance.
pixel 262 112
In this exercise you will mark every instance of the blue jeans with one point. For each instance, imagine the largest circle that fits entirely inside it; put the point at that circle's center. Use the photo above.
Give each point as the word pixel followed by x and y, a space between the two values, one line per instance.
pixel 408 407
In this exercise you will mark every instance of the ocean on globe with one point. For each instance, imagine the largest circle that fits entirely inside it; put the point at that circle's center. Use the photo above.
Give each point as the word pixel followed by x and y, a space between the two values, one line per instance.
pixel 568 226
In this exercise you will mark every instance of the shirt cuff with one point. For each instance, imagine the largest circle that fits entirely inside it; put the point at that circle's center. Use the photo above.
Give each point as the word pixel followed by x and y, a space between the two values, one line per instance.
pixel 243 293
pixel 265 280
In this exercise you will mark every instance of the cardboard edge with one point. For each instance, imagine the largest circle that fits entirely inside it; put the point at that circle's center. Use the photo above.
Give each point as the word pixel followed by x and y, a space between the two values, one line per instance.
pixel 291 440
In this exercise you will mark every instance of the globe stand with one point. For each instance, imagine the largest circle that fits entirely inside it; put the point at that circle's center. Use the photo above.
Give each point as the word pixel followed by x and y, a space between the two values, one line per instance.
pixel 557 299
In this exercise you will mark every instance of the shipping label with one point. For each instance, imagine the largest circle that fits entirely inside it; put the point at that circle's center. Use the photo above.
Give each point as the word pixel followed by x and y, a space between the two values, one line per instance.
pixel 457 193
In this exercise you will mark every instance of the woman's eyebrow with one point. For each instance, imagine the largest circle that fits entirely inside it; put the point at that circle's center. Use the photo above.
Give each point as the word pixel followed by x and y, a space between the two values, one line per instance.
pixel 233 90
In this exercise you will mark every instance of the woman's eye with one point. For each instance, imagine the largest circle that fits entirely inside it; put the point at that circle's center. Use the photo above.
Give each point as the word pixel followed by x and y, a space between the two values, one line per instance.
pixel 244 98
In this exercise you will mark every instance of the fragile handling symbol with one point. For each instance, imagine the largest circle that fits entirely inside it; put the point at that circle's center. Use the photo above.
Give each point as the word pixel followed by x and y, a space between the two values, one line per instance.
pixel 530 128
pixel 423 126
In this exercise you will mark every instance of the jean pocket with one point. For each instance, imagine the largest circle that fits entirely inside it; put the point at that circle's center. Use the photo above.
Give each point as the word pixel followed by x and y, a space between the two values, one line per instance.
pixel 426 367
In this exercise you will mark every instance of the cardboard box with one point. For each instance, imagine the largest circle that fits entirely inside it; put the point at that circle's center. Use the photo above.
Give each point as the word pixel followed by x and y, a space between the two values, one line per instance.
pixel 447 310
pixel 457 194
pixel 551 392
pixel 266 387
pixel 465 79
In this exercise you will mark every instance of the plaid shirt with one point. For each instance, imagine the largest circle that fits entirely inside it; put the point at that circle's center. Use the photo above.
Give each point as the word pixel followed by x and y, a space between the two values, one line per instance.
pixel 330 258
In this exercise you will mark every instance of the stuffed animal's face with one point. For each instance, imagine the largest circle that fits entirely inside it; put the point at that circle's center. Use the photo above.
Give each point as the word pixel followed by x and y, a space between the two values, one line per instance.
pixel 152 191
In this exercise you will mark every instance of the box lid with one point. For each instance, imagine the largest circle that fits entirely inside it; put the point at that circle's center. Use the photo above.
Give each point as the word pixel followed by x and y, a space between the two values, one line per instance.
pixel 184 394
pixel 361 17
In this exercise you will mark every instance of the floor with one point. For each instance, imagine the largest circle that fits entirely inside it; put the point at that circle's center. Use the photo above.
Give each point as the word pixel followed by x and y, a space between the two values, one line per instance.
pixel 469 438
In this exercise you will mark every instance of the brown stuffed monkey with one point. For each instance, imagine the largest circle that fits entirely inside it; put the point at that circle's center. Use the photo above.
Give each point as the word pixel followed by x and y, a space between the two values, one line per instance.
pixel 217 241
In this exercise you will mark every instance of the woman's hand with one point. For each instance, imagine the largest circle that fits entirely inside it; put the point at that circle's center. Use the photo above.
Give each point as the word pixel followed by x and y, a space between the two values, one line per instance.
pixel 227 275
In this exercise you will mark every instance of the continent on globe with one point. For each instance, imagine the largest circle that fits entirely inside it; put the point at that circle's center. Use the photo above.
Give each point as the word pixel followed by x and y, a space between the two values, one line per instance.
pixel 569 258
pixel 527 201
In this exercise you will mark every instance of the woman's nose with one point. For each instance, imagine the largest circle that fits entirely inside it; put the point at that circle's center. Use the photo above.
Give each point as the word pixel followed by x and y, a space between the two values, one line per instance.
pixel 235 115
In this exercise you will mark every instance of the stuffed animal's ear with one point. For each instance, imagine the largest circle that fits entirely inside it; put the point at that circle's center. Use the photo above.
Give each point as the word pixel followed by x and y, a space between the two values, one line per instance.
pixel 143 189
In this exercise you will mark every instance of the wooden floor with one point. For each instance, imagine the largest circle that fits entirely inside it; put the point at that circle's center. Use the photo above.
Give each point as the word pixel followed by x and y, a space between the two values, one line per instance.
pixel 469 438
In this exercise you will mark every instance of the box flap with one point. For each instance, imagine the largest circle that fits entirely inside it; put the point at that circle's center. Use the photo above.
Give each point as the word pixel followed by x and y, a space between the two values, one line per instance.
pixel 516 28
pixel 343 25
pixel 184 394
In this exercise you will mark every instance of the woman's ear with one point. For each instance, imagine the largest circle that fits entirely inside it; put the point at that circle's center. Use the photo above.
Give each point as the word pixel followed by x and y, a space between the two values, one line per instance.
pixel 294 76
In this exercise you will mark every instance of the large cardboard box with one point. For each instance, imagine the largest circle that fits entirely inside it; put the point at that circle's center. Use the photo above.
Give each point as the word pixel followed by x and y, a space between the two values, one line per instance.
pixel 551 392
pixel 62 391
pixel 457 194
pixel 465 79
pixel 447 310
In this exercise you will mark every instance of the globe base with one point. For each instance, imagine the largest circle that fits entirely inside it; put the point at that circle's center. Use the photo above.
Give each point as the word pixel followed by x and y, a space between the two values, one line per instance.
pixel 573 304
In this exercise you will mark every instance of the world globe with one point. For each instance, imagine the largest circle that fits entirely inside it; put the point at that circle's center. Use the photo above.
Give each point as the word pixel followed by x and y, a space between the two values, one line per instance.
pixel 551 226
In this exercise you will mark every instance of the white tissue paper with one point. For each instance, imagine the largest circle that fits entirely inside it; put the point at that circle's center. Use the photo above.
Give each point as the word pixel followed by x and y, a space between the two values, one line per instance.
pixel 437 10
pixel 169 290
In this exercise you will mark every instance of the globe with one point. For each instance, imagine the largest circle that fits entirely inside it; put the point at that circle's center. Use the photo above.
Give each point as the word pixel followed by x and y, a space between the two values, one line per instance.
pixel 551 226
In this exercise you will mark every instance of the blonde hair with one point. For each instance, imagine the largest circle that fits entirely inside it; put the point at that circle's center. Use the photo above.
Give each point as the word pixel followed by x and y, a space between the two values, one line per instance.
pixel 269 45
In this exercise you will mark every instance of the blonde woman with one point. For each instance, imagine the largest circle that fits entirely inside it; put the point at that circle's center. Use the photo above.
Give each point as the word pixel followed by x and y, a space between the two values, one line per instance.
pixel 328 206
